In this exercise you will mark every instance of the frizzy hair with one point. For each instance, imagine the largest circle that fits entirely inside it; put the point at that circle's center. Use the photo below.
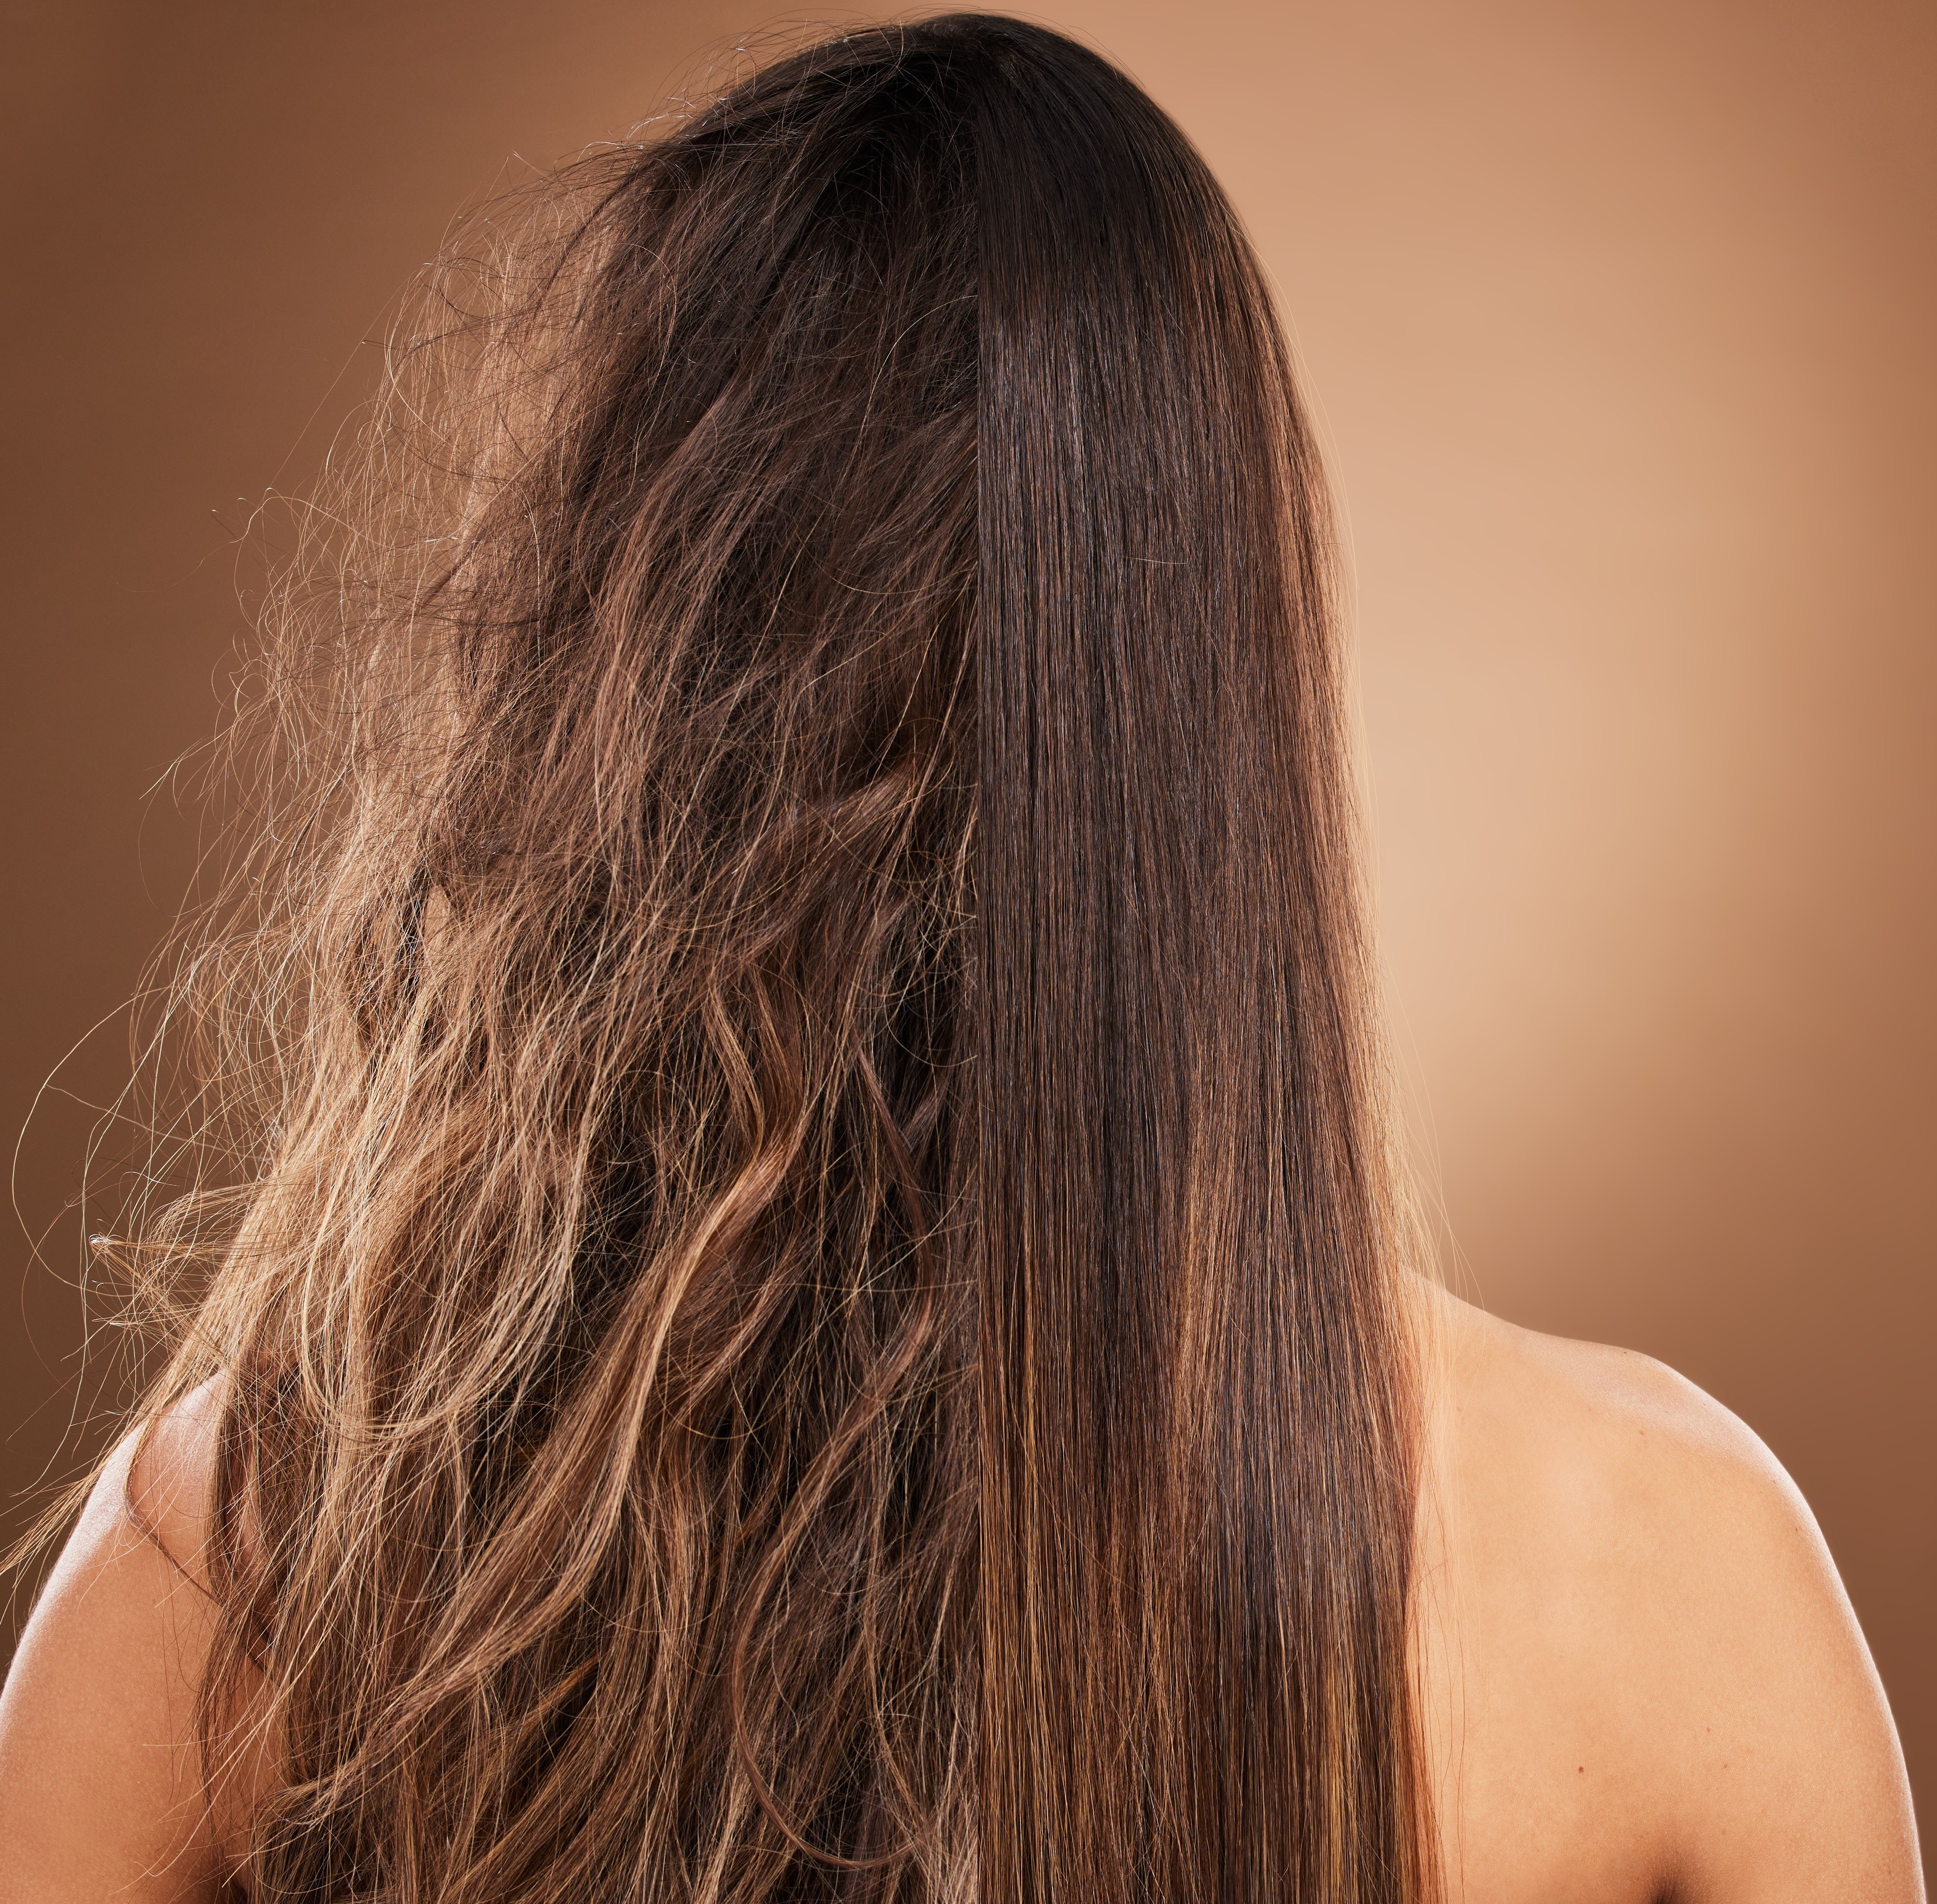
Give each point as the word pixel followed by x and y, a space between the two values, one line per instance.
pixel 813 1307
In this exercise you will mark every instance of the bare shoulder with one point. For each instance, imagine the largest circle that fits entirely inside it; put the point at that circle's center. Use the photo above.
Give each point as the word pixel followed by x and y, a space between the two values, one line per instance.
pixel 170 1475
pixel 1605 1445
pixel 1638 1630
pixel 101 1786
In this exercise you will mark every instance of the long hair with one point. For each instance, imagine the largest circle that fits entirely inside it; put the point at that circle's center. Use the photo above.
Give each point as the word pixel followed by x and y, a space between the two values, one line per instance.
pixel 812 1309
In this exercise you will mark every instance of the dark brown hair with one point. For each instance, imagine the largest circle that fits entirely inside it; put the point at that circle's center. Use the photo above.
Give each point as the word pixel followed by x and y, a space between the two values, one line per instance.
pixel 814 1310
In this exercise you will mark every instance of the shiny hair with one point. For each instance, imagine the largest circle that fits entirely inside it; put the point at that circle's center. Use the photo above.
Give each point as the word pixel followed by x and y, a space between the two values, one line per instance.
pixel 813 1308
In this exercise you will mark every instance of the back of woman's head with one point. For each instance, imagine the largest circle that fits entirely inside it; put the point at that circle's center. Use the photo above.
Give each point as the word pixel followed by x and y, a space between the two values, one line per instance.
pixel 813 1313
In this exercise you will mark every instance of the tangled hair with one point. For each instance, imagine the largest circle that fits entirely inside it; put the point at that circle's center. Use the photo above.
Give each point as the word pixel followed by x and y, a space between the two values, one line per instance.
pixel 813 1311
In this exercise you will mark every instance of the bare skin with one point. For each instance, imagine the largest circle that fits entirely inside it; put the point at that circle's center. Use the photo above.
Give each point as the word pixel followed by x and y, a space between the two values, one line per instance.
pixel 1642 1679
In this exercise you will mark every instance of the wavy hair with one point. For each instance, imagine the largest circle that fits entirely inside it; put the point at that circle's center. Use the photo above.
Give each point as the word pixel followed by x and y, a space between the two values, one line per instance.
pixel 813 1309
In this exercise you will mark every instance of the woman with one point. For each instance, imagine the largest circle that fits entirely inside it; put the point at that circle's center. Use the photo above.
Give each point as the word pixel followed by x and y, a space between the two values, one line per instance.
pixel 818 1303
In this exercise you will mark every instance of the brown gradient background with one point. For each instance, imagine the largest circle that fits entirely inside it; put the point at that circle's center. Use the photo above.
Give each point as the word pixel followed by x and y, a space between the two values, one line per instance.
pixel 1616 319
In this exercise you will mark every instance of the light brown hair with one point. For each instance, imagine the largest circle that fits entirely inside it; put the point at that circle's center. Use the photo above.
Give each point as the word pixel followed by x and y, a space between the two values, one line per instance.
pixel 813 1306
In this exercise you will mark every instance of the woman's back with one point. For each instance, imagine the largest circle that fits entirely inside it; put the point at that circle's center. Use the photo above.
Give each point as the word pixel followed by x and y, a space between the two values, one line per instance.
pixel 815 1303
pixel 1642 1679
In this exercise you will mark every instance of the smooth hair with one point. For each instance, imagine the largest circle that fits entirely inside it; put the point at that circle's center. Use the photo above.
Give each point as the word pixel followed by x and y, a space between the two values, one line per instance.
pixel 810 1304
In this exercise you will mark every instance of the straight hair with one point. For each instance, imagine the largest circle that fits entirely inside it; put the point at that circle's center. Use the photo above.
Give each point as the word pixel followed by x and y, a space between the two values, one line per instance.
pixel 812 1305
